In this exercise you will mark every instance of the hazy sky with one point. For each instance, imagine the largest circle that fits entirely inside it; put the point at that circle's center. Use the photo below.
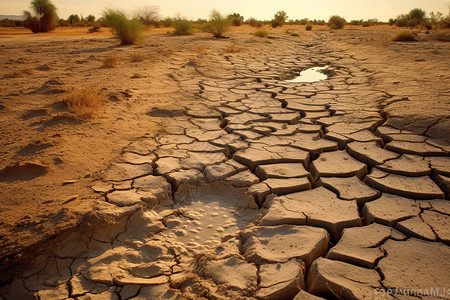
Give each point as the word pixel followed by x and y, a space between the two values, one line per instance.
pixel 260 9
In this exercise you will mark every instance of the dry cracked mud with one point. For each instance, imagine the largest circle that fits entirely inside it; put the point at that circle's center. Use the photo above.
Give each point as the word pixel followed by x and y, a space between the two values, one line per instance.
pixel 267 189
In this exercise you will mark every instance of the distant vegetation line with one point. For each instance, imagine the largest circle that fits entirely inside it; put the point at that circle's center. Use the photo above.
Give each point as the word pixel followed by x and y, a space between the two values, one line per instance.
pixel 149 16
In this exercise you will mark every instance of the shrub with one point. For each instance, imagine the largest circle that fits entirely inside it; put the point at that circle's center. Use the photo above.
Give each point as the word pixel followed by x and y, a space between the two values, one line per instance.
pixel 441 35
pixel 217 24
pixel 236 19
pixel 308 27
pixel 404 36
pixel 94 28
pixel 254 23
pixel 111 61
pixel 128 31
pixel 86 102
pixel 44 19
pixel 182 26
pixel 148 15
pixel 294 34
pixel 261 33
pixel 336 22
pixel 279 19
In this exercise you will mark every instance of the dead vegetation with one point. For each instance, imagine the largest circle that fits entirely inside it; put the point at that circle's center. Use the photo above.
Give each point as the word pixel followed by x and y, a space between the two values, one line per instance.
pixel 137 57
pixel 86 102
pixel 111 61
pixel 405 36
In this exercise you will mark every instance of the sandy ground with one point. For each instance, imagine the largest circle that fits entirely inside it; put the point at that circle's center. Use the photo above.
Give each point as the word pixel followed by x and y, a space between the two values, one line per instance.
pixel 50 157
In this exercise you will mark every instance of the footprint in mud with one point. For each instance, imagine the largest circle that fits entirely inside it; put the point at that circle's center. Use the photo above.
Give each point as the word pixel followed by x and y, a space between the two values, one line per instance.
pixel 22 172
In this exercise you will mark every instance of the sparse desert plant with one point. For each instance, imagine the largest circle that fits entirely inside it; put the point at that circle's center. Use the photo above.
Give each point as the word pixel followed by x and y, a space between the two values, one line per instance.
pixel 308 27
pixel 182 26
pixel 232 48
pixel 128 31
pixel 279 19
pixel 44 18
pixel 217 24
pixel 441 35
pixel 294 34
pixel 148 15
pixel 404 36
pixel 86 102
pixel 261 33
pixel 111 61
pixel 94 28
pixel 137 57
pixel 336 22
pixel 254 23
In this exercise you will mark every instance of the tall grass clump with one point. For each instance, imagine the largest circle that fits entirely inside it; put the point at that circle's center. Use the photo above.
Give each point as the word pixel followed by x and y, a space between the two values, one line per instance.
pixel 44 17
pixel 182 26
pixel 128 31
pixel 86 102
pixel 336 22
pixel 404 36
pixel 218 24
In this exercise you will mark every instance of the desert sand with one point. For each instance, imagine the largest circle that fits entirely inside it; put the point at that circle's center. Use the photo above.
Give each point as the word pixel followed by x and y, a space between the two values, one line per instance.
pixel 209 174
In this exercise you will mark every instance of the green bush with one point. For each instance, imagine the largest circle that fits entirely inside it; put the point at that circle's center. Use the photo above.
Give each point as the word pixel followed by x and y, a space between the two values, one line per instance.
pixel 44 18
pixel 261 33
pixel 217 24
pixel 404 36
pixel 279 19
pixel 128 31
pixel 254 23
pixel 336 22
pixel 182 26
pixel 236 19
pixel 308 27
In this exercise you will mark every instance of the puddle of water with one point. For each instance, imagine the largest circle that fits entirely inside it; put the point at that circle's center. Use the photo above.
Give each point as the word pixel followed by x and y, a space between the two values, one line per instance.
pixel 310 75
pixel 208 214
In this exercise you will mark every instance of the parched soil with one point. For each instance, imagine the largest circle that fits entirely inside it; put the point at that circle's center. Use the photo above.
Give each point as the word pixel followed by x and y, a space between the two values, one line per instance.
pixel 207 174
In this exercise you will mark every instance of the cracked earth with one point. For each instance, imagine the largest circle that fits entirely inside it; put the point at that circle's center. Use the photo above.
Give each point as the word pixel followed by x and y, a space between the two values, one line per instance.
pixel 264 188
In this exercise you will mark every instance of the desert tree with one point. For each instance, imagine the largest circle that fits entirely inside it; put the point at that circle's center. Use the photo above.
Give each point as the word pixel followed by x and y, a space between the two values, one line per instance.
pixel 236 19
pixel 43 17
pixel 279 19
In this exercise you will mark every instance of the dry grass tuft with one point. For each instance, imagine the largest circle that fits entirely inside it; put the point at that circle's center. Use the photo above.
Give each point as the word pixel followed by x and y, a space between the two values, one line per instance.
pixel 86 102
pixel 111 61
pixel 137 57
pixel 261 33
pixel 404 36
pixel 441 35
pixel 232 49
